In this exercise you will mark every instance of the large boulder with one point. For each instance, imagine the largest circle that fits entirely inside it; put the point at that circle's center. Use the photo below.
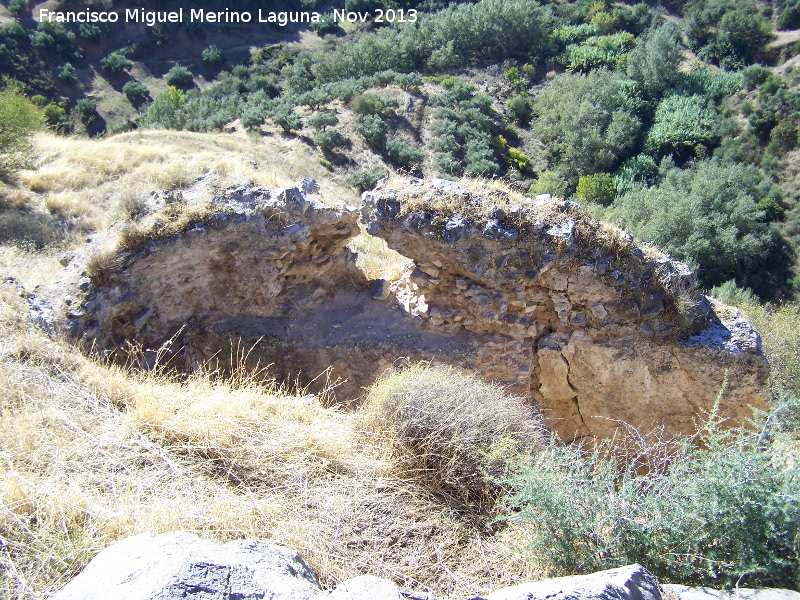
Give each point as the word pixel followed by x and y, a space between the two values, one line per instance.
pixel 178 565
pixel 683 592
pixel 632 582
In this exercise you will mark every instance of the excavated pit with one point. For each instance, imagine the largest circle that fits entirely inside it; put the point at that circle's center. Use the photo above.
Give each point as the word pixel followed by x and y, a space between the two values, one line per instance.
pixel 535 296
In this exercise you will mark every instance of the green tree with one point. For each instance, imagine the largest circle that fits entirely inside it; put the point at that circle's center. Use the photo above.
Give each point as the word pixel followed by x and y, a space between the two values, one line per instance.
pixel 328 139
pixel 115 63
pixel 403 153
pixel 744 30
pixel 372 128
pixel 708 217
pixel 321 120
pixel 655 62
pixel 19 119
pixel 166 111
pixel 179 76
pixel 284 116
pixel 136 92
pixel 588 122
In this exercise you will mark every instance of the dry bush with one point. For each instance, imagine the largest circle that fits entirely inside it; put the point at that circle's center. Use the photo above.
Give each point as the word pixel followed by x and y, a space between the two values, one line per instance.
pixel 91 454
pixel 455 434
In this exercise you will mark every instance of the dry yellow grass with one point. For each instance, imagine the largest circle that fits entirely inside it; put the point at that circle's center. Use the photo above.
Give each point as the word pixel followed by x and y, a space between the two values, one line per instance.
pixel 82 176
pixel 92 453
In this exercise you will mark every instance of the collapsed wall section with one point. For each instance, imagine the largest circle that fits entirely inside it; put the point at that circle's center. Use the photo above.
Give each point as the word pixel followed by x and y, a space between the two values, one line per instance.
pixel 261 279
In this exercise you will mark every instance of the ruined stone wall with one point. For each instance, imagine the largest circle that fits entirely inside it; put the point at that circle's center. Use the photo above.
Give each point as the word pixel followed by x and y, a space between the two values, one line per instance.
pixel 532 295
pixel 573 314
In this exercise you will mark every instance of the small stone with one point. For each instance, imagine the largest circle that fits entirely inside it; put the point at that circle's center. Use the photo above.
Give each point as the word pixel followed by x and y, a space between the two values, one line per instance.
pixel 379 288
pixel 429 270
pixel 481 299
pixel 65 257
pixel 598 310
pixel 652 306
pixel 646 331
pixel 455 229
pixel 497 213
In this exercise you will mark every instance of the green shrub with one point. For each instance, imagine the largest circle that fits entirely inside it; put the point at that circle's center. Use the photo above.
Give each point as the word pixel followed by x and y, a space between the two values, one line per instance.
pixel 519 109
pixel 55 116
pixel 717 509
pixel 328 139
pixel 284 116
pixel 484 32
pixel 681 124
pixel 67 74
pixel 179 76
pixel 518 159
pixel 321 120
pixel 253 117
pixel 446 163
pixel 326 25
pixel 87 110
pixel 372 128
pixel 136 92
pixel 451 432
pixel 784 135
pixel 707 217
pixel 115 63
pixel 789 17
pixel 91 32
pixel 19 119
pixel 371 104
pixel 18 8
pixel 549 182
pixel 366 179
pixel 587 121
pixel 596 52
pixel 597 188
pixel 403 153
pixel 638 170
pixel 771 209
pixel 166 111
pixel 654 63
pixel 213 56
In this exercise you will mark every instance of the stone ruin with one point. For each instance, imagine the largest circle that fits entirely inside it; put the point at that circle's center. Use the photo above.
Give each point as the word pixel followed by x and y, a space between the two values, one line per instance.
pixel 535 296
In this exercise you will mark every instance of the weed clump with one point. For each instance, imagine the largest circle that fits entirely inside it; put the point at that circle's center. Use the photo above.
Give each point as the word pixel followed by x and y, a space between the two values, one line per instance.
pixel 455 434
pixel 718 508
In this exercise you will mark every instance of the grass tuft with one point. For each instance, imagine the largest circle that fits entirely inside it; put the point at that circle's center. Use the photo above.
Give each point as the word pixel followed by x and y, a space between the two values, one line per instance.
pixel 453 433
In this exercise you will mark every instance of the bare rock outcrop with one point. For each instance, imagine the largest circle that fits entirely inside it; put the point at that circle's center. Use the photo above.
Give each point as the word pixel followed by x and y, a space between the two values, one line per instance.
pixel 533 295
pixel 181 565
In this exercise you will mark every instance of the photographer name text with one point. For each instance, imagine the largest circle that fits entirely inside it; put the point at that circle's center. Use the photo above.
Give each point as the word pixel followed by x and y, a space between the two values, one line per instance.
pixel 200 15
